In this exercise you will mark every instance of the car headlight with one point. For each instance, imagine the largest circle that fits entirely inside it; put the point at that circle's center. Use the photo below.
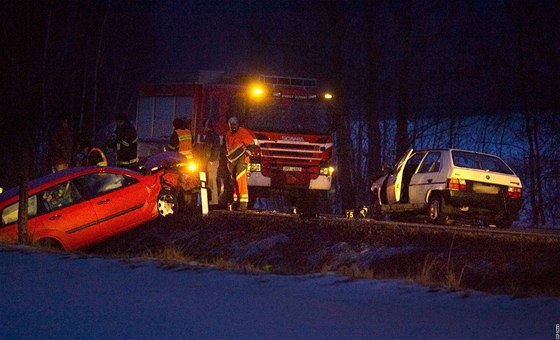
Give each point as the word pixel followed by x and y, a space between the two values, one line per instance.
pixel 190 167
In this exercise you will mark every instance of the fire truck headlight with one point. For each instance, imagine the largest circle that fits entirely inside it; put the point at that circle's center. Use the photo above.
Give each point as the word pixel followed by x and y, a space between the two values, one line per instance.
pixel 254 167
pixel 192 166
pixel 327 171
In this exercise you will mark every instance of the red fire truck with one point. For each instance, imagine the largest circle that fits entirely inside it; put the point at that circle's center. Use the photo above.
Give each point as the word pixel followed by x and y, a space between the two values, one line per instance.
pixel 290 117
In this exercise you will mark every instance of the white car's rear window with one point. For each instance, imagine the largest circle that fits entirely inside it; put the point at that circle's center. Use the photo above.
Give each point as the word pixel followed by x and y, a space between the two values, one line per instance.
pixel 480 161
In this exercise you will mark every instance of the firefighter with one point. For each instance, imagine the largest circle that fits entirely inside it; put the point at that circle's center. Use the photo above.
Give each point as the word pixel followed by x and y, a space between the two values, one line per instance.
pixel 181 139
pixel 92 155
pixel 61 145
pixel 125 141
pixel 240 145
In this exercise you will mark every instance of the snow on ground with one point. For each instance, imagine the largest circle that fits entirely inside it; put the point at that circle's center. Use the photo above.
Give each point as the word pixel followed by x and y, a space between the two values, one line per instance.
pixel 46 295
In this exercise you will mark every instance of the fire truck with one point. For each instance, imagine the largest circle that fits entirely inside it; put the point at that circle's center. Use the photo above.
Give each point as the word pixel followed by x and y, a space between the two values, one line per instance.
pixel 290 117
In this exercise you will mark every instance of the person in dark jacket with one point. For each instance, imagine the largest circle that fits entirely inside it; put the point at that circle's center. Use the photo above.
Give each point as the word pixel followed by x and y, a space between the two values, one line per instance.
pixel 125 142
pixel 211 158
pixel 61 145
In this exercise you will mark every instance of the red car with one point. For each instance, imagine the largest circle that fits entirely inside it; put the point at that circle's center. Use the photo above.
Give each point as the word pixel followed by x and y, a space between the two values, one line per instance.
pixel 81 206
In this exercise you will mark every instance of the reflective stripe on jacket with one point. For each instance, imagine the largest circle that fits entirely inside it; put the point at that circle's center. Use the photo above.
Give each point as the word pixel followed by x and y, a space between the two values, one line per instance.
pixel 99 159
pixel 126 140
pixel 237 143
pixel 185 142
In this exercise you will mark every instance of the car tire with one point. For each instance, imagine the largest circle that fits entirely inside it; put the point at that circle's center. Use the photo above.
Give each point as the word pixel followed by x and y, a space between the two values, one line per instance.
pixel 167 204
pixel 50 243
pixel 435 210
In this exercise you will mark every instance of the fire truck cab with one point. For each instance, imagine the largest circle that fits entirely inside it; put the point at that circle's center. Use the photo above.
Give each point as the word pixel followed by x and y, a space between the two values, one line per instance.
pixel 290 117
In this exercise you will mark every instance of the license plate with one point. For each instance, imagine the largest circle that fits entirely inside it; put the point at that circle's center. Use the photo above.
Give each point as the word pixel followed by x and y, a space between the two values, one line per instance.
pixel 292 168
pixel 486 188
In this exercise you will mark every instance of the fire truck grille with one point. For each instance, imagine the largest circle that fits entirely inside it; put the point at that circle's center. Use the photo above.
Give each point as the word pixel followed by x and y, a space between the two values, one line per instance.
pixel 291 151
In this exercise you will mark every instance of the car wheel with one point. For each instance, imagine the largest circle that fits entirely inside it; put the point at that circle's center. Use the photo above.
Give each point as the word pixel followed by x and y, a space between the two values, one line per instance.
pixel 50 243
pixel 167 204
pixel 435 210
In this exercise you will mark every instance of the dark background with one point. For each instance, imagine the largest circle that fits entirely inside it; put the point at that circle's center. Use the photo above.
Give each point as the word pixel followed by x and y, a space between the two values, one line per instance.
pixel 480 75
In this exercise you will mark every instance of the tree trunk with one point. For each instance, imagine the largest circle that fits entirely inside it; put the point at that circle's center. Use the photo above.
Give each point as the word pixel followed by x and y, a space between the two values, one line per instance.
pixel 402 141
pixel 532 185
pixel 342 136
pixel 373 134
pixel 538 171
pixel 23 236
pixel 96 71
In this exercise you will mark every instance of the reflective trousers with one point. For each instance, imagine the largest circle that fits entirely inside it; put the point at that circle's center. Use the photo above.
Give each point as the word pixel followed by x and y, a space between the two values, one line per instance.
pixel 238 171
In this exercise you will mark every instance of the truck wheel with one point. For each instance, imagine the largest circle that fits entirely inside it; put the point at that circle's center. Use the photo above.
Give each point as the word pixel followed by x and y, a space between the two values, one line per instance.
pixel 435 210
pixel 167 204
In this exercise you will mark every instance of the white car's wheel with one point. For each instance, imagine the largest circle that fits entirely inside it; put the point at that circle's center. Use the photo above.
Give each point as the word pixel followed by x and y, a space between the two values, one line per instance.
pixel 435 210
pixel 167 204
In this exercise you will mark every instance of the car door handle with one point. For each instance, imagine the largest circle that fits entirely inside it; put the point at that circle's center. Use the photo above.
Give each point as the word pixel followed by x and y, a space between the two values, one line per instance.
pixel 430 180
pixel 55 217
pixel 103 201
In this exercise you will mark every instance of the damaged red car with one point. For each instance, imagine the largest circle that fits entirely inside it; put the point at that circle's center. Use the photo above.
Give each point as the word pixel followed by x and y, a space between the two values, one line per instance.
pixel 81 206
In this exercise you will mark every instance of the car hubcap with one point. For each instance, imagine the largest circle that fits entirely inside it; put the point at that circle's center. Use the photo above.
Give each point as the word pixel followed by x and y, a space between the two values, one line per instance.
pixel 166 204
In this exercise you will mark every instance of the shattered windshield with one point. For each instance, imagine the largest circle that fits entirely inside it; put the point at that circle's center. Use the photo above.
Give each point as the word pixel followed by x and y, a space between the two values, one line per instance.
pixel 303 116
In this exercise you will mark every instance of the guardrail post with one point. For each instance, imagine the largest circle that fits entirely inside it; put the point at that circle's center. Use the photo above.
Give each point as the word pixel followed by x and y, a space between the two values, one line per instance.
pixel 203 193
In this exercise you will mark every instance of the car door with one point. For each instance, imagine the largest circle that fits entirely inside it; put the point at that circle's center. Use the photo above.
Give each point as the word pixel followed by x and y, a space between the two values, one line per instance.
pixel 9 224
pixel 425 178
pixel 117 199
pixel 65 214
pixel 394 180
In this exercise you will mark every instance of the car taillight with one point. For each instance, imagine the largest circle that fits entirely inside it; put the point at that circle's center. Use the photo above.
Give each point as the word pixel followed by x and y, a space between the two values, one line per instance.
pixel 457 184
pixel 514 192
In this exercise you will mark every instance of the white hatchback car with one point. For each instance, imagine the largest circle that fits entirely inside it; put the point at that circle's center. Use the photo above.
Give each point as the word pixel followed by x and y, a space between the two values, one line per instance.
pixel 449 184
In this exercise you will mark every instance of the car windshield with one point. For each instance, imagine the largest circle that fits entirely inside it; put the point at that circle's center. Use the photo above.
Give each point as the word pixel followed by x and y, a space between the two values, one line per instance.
pixel 473 160
pixel 303 116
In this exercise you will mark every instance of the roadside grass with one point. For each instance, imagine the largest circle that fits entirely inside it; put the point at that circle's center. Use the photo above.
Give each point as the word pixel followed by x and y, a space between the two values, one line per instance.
pixel 518 265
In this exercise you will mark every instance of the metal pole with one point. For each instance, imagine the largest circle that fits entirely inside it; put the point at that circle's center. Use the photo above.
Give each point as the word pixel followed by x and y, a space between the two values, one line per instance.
pixel 203 194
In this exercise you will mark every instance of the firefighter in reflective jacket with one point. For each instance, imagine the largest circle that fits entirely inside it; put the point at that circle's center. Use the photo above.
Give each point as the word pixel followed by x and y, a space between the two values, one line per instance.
pixel 95 156
pixel 125 142
pixel 181 139
pixel 89 154
pixel 240 144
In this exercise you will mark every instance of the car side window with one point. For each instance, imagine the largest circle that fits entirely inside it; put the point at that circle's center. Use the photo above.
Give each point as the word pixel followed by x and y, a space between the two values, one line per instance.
pixel 431 163
pixel 413 162
pixel 101 183
pixel 60 196
pixel 10 213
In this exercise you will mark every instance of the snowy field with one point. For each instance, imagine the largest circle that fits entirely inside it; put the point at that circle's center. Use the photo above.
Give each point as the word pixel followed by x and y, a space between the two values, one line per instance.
pixel 63 296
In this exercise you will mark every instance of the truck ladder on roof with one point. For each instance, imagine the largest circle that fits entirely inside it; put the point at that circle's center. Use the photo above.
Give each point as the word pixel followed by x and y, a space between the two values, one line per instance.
pixel 294 82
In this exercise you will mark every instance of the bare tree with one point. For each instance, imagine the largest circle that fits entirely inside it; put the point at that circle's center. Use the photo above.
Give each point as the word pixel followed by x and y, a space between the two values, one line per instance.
pixel 373 71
